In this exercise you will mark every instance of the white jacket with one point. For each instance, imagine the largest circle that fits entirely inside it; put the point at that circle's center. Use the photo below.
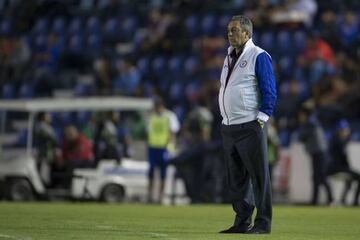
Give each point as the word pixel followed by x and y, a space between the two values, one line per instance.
pixel 250 92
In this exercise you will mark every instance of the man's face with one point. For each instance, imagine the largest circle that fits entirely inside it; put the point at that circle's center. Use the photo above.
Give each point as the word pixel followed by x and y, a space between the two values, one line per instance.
pixel 237 37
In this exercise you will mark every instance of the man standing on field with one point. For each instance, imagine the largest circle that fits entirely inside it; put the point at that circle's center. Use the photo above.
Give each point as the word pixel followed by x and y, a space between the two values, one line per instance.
pixel 247 99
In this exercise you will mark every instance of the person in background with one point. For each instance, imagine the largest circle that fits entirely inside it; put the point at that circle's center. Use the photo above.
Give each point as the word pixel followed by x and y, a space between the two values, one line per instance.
pixel 273 145
pixel 162 128
pixel 106 144
pixel 313 136
pixel 76 149
pixel 340 162
pixel 46 142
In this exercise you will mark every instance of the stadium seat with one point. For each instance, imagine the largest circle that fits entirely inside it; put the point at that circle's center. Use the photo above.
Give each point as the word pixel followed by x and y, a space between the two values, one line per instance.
pixel 93 25
pixel 26 91
pixel 207 24
pixel 284 42
pixel 190 65
pixel 94 42
pixel 76 43
pixel 58 26
pixel 8 91
pixel 82 90
pixel 175 65
pixel 5 27
pixel 192 25
pixel 267 40
pixel 41 26
pixel 285 66
pixel 158 65
pixel 143 65
pixel 128 26
pixel 299 39
pixel 75 26
pixel 223 23
pixel 66 118
pixel 82 117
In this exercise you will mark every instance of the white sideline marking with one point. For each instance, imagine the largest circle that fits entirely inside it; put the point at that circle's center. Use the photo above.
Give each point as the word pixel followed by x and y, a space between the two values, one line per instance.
pixel 12 237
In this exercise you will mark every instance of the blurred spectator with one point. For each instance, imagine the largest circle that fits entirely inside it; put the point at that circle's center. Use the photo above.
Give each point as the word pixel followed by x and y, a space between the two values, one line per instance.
pixel 340 162
pixel 313 136
pixel 273 145
pixel 46 142
pixel 296 11
pixel 106 145
pixel 103 75
pixel 76 149
pixel 317 59
pixel 128 78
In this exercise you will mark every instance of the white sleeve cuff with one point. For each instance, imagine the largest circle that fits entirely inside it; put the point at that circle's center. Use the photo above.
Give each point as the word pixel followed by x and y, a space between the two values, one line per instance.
pixel 262 116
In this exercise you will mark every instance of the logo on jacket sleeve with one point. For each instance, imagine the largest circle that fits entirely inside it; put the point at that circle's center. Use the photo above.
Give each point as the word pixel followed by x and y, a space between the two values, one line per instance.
pixel 243 63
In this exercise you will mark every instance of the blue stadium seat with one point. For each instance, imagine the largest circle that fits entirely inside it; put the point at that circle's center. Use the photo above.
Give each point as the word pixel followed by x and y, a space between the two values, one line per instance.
pixel 82 117
pixel 158 65
pixel 58 26
pixel 26 91
pixel 94 42
pixel 299 39
pixel 76 43
pixel 143 65
pixel 284 42
pixel 176 91
pixel 207 24
pixel 93 25
pixel 111 28
pixel 82 90
pixel 41 26
pixel 8 91
pixel 175 65
pixel 190 65
pixel 267 41
pixel 223 23
pixel 66 118
pixel 5 27
pixel 128 26
pixel 285 66
pixel 192 25
pixel 75 26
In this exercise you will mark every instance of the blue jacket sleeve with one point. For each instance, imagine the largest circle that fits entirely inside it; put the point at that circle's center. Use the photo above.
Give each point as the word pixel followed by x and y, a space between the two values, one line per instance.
pixel 267 84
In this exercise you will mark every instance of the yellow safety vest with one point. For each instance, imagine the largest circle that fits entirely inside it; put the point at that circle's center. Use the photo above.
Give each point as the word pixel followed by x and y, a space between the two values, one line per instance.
pixel 159 130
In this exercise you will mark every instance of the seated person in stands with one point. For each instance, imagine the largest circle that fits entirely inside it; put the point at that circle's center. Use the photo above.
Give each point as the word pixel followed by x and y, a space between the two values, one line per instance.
pixel 77 150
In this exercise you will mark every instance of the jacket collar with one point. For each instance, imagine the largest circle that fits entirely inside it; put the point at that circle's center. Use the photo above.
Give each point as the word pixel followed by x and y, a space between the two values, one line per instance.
pixel 248 45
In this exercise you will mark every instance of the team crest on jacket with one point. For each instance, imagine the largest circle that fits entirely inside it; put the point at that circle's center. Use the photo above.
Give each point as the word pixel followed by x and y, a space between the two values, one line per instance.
pixel 243 63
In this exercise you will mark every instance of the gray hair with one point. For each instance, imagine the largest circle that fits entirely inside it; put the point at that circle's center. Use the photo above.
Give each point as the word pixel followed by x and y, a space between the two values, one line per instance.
pixel 245 23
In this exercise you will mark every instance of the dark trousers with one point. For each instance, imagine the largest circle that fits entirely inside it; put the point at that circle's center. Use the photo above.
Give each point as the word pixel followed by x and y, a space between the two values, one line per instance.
pixel 245 149
pixel 319 165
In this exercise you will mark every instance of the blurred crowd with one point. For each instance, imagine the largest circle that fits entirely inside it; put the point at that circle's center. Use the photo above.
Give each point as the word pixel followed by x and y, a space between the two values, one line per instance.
pixel 175 49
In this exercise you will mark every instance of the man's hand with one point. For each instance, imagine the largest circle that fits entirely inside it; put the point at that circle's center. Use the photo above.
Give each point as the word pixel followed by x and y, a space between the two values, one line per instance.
pixel 262 123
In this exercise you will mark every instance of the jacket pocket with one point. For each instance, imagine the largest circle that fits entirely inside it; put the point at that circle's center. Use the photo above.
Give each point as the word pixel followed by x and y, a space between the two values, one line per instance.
pixel 250 96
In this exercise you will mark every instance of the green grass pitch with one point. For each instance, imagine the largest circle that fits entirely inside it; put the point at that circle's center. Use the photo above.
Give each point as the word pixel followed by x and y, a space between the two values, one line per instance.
pixel 30 221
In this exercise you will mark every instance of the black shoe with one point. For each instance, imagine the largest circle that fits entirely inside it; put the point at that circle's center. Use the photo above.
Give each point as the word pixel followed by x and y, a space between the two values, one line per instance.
pixel 237 229
pixel 258 230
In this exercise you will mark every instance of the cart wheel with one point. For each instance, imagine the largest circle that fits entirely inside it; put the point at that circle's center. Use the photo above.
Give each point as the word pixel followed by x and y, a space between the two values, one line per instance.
pixel 19 190
pixel 113 193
